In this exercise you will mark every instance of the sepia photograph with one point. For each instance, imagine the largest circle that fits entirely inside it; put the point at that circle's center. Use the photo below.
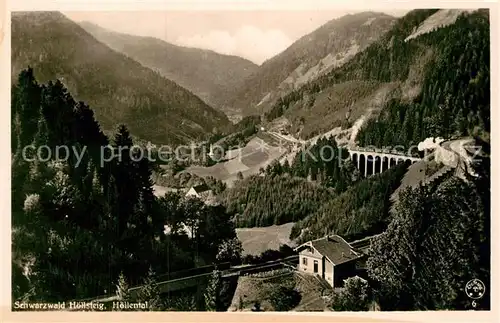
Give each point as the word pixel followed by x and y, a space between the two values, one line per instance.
pixel 251 160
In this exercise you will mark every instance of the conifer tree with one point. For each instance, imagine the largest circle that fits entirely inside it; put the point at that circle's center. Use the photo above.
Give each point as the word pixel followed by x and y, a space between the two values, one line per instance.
pixel 431 248
pixel 150 292
pixel 213 292
pixel 122 288
pixel 26 105
pixel 124 174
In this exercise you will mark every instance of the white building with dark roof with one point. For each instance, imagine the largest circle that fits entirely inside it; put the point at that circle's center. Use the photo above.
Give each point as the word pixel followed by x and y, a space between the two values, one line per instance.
pixel 331 258
pixel 202 192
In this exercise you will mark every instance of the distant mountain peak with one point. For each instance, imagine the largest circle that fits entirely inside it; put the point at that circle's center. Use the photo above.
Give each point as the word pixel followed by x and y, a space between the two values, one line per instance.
pixel 314 54
pixel 210 75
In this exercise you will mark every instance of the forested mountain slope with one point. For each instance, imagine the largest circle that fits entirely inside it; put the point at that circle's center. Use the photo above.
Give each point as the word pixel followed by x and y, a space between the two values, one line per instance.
pixel 329 46
pixel 419 84
pixel 438 240
pixel 119 89
pixel 81 222
pixel 290 192
pixel 211 76
pixel 454 96
pixel 360 211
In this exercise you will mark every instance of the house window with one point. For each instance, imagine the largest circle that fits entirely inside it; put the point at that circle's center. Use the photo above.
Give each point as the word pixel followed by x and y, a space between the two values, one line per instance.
pixel 312 250
pixel 304 261
pixel 315 266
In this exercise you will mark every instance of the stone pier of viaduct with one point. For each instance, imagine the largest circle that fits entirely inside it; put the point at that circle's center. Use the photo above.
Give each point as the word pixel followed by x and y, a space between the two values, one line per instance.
pixel 372 162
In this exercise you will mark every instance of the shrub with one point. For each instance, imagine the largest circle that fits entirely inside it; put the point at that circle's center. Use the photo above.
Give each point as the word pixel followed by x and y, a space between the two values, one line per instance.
pixel 284 298
pixel 354 296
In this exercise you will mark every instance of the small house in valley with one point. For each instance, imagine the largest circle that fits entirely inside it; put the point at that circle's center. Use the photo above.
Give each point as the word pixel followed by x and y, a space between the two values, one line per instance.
pixel 331 258
pixel 202 192
pixel 199 191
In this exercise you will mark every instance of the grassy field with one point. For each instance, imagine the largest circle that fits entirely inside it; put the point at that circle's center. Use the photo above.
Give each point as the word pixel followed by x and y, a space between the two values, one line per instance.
pixel 257 240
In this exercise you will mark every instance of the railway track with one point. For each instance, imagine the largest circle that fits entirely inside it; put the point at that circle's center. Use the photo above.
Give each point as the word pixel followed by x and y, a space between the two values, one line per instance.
pixel 200 275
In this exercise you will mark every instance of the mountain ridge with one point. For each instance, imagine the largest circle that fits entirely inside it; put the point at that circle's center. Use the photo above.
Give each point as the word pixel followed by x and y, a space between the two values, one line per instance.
pixel 88 24
pixel 391 72
pixel 118 89
pixel 332 44
pixel 208 74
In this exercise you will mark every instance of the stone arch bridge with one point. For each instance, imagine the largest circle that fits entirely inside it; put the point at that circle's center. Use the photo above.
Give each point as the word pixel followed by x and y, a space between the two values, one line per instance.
pixel 371 162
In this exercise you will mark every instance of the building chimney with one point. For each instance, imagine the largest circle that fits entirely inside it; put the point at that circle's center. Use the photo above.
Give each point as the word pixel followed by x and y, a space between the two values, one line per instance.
pixel 343 255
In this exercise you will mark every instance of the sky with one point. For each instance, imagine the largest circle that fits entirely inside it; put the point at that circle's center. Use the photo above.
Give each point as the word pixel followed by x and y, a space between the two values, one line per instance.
pixel 254 35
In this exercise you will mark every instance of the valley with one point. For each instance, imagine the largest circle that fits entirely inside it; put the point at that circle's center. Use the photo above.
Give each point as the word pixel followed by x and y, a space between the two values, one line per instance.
pixel 207 74
pixel 349 172
pixel 248 161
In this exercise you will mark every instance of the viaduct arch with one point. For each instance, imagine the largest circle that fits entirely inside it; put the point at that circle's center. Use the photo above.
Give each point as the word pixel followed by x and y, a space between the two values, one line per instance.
pixel 372 162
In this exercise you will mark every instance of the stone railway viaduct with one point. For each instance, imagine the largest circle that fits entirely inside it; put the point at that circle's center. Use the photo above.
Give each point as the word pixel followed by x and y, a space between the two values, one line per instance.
pixel 370 162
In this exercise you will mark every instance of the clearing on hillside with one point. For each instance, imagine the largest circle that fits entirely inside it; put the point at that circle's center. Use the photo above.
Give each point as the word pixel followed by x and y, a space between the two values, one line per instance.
pixel 159 190
pixel 257 240
pixel 247 160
